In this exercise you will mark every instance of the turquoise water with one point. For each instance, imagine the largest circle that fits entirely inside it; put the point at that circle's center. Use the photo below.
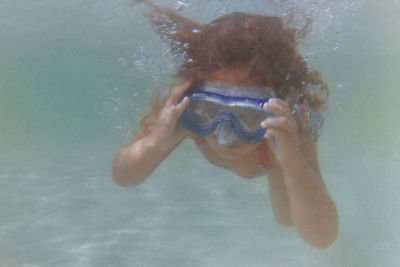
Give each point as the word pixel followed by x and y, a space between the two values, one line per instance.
pixel 75 77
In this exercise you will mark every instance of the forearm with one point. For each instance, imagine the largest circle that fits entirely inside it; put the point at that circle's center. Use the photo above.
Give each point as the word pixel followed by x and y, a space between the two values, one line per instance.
pixel 279 198
pixel 313 211
pixel 136 161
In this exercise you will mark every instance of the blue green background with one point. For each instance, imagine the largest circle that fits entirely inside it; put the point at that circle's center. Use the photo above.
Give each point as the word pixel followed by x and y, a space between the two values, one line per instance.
pixel 75 78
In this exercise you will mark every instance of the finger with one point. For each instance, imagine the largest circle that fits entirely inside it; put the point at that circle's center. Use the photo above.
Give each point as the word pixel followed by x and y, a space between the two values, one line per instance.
pixel 177 92
pixel 173 112
pixel 278 107
pixel 169 116
pixel 278 101
pixel 180 107
pixel 282 123
pixel 271 133
pixel 299 115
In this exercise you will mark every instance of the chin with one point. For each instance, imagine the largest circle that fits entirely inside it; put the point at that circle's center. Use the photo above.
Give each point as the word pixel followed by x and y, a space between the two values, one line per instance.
pixel 229 152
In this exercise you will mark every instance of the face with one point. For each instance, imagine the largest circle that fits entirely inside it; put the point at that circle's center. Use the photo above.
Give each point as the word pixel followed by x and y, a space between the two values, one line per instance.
pixel 238 148
pixel 234 151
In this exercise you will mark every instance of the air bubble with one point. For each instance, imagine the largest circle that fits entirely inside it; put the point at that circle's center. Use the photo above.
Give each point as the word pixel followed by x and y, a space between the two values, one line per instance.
pixel 123 61
pixel 181 5
pixel 139 64
pixel 337 46
pixel 172 31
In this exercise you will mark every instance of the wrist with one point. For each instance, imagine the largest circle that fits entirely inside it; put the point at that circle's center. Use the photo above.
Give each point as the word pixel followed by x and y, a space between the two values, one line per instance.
pixel 294 162
pixel 158 142
pixel 154 141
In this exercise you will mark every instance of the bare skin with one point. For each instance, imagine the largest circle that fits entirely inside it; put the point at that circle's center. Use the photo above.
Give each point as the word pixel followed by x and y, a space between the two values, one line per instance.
pixel 297 190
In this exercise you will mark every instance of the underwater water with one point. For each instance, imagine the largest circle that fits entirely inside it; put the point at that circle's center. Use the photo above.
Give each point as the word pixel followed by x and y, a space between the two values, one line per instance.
pixel 75 78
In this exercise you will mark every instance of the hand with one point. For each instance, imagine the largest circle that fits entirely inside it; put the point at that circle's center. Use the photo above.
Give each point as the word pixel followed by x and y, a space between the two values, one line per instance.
pixel 282 131
pixel 167 130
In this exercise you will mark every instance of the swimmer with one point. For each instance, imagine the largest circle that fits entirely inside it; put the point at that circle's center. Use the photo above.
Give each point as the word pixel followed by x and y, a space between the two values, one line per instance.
pixel 252 105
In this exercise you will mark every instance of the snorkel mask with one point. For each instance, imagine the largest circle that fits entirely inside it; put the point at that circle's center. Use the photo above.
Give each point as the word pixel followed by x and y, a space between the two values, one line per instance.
pixel 228 111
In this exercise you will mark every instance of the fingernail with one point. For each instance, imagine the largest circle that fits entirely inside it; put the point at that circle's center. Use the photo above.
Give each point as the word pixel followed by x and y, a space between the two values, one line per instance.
pixel 263 124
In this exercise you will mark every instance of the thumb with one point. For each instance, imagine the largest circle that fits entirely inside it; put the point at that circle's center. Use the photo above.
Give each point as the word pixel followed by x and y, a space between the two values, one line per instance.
pixel 180 107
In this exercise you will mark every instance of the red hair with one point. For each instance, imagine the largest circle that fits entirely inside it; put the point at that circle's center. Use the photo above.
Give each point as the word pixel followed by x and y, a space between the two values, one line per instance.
pixel 265 46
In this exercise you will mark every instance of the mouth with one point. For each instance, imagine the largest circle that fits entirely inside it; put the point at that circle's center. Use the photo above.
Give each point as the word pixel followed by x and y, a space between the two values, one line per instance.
pixel 233 146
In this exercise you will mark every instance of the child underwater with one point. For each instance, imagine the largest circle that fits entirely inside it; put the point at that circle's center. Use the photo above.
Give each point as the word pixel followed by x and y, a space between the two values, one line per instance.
pixel 252 105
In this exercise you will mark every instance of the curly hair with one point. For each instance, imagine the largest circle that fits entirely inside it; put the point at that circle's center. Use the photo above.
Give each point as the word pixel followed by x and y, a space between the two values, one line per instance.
pixel 265 46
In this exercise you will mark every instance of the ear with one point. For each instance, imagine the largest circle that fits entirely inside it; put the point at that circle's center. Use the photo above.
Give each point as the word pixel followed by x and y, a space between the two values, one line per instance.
pixel 173 28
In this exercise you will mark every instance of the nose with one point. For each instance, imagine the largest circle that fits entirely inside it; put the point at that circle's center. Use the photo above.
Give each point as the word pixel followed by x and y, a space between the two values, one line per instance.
pixel 225 133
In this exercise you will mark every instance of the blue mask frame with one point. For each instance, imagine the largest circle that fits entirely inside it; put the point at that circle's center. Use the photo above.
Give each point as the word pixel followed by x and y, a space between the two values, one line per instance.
pixel 226 120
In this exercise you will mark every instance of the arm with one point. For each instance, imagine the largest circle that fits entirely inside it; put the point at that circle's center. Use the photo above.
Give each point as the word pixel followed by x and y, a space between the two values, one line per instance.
pixel 279 198
pixel 134 162
pixel 303 198
pixel 305 201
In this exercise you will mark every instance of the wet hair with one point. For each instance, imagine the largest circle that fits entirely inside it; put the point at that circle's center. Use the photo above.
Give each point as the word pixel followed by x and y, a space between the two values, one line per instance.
pixel 262 45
